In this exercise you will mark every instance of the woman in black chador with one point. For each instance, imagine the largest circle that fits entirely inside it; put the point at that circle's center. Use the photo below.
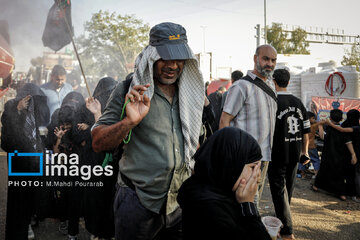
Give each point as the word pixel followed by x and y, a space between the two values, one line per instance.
pixel 352 120
pixel 218 200
pixel 21 120
pixel 332 174
pixel 70 137
pixel 98 201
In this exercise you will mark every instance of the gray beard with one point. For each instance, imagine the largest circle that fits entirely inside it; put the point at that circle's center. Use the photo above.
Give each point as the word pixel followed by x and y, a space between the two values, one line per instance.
pixel 262 71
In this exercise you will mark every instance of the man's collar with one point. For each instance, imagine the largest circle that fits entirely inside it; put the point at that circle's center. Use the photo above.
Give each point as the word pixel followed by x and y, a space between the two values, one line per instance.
pixel 284 93
pixel 253 76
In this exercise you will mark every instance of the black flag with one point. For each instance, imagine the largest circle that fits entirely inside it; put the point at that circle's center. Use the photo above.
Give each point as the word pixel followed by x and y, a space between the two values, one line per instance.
pixel 56 33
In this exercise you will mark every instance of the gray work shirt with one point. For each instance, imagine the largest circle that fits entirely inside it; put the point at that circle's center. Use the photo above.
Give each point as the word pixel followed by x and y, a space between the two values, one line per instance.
pixel 254 111
pixel 154 158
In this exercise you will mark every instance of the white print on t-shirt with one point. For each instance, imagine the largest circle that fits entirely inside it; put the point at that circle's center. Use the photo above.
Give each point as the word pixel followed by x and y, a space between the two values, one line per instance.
pixel 291 109
pixel 293 124
pixel 293 139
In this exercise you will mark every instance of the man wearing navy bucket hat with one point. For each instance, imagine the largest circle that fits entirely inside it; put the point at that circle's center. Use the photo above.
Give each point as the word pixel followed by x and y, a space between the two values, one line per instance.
pixel 163 118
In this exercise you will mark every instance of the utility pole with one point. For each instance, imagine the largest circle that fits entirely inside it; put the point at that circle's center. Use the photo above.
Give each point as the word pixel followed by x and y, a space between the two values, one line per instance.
pixel 203 27
pixel 258 35
pixel 265 28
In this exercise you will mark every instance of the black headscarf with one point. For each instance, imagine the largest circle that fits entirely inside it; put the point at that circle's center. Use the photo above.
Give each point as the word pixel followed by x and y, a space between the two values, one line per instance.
pixel 103 90
pixel 209 206
pixel 74 111
pixel 219 163
pixel 20 131
pixel 74 99
pixel 41 110
pixel 352 118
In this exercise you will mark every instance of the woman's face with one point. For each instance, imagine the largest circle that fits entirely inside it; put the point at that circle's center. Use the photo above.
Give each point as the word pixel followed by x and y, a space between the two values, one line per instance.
pixel 65 126
pixel 246 173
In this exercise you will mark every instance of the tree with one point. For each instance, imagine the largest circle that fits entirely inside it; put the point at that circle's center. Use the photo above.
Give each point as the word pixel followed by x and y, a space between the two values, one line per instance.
pixel 111 43
pixel 280 40
pixel 36 62
pixel 298 44
pixel 352 57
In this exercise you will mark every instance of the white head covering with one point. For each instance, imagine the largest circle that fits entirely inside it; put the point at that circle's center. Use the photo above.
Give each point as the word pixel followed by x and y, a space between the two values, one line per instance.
pixel 191 95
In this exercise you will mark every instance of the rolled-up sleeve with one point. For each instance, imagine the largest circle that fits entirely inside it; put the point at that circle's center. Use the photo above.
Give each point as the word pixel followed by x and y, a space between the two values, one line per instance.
pixel 234 100
pixel 113 107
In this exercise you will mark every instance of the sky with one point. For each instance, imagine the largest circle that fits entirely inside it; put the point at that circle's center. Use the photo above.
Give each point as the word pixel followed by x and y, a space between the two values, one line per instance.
pixel 223 27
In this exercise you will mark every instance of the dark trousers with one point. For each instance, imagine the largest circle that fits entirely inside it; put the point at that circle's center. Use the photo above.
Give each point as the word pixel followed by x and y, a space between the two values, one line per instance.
pixel 281 179
pixel 134 222
pixel 350 173
pixel 19 209
pixel 75 197
pixel 69 204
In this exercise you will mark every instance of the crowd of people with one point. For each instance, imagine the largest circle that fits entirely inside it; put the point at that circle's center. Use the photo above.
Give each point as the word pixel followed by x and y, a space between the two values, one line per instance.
pixel 67 116
pixel 185 165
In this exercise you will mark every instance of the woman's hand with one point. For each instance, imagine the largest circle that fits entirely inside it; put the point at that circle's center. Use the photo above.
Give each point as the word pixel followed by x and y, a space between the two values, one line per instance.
pixel 82 126
pixel 59 133
pixel 246 186
pixel 94 106
pixel 23 103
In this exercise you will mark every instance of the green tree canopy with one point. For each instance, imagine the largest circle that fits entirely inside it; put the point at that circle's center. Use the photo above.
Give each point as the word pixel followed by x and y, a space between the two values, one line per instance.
pixel 277 38
pixel 111 43
pixel 280 40
pixel 36 62
pixel 352 57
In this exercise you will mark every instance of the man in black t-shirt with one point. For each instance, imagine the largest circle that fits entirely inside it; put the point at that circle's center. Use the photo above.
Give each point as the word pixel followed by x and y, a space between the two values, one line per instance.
pixel 290 142
pixel 215 99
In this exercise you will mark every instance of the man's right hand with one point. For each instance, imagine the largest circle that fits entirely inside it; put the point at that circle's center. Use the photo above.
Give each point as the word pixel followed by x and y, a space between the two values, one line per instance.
pixel 139 105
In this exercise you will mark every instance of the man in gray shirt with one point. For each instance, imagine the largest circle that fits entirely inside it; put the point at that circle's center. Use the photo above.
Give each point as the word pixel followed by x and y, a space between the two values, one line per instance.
pixel 165 115
pixel 250 108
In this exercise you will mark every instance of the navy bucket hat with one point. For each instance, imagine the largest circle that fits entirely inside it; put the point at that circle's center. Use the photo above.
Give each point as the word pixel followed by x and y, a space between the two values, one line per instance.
pixel 170 41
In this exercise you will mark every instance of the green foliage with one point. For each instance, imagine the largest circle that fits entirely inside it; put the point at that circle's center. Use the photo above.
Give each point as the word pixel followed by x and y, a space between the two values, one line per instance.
pixel 280 40
pixel 111 43
pixel 277 38
pixel 352 57
pixel 37 62
pixel 298 44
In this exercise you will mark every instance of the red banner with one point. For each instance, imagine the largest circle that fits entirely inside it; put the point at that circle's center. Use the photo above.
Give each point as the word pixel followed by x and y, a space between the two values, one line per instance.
pixel 322 105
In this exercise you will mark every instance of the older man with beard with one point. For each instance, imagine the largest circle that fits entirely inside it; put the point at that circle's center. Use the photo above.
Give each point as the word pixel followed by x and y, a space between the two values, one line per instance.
pixel 164 113
pixel 251 105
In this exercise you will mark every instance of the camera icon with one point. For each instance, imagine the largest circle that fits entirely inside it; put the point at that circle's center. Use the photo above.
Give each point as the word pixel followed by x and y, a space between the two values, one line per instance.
pixel 17 154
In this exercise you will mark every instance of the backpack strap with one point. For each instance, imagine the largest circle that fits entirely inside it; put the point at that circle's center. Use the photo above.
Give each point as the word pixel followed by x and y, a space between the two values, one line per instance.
pixel 261 84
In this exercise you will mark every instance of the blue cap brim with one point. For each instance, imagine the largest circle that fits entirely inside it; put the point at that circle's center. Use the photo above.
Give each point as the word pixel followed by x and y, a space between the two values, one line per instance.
pixel 179 51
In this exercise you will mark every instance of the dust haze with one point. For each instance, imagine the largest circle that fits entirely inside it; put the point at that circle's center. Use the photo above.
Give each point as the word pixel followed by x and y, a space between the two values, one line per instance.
pixel 26 21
